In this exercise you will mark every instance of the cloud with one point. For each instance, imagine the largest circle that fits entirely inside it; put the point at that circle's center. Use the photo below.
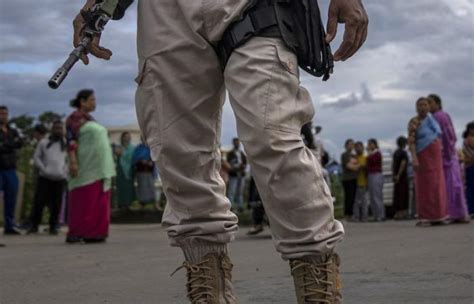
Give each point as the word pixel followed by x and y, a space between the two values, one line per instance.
pixel 348 100
pixel 414 48
pixel 39 42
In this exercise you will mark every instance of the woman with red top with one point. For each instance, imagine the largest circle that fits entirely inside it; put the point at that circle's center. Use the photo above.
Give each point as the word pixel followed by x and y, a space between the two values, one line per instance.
pixel 374 170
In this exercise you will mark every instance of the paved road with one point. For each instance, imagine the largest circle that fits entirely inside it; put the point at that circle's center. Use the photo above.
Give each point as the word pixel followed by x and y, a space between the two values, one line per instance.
pixel 386 263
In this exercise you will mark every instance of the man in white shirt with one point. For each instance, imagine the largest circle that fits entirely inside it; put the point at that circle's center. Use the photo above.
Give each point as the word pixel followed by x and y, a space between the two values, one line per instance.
pixel 50 160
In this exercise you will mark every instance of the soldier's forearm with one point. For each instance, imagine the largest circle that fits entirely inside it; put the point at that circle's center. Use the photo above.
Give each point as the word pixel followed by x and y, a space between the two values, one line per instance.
pixel 109 6
pixel 121 8
pixel 114 8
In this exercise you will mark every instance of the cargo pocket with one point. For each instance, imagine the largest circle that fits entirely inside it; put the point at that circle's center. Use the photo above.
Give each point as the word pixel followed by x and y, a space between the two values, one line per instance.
pixel 288 106
pixel 148 103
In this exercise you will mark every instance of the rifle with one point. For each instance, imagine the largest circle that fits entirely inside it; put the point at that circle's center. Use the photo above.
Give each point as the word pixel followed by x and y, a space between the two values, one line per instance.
pixel 96 19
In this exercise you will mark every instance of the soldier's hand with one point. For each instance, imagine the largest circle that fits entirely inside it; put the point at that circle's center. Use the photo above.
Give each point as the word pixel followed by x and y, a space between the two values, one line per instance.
pixel 352 13
pixel 94 47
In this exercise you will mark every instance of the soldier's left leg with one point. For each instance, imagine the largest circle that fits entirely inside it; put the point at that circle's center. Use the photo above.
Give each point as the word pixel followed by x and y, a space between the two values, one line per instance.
pixel 262 78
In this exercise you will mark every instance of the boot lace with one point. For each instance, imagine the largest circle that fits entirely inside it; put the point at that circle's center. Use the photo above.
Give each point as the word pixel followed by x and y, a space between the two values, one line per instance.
pixel 199 290
pixel 227 268
pixel 314 282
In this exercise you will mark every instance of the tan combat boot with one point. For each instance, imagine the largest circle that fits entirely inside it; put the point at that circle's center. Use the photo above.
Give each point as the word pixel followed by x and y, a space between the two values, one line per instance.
pixel 210 281
pixel 317 279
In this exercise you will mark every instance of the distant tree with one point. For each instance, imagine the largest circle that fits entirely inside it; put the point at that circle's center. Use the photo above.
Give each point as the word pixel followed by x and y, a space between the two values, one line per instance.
pixel 24 123
pixel 47 118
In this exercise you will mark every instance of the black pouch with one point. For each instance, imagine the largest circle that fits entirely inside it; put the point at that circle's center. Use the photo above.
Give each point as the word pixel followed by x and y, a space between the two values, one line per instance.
pixel 302 30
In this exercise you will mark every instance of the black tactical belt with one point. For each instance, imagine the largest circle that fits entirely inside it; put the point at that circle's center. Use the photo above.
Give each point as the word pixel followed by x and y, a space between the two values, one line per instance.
pixel 255 23
pixel 297 22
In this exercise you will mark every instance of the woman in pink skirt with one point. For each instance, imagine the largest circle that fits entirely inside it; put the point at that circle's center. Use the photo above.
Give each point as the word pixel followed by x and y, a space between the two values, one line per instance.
pixel 91 168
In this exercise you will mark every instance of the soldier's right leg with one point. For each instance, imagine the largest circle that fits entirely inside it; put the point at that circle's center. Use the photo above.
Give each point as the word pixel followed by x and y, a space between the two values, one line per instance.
pixel 179 102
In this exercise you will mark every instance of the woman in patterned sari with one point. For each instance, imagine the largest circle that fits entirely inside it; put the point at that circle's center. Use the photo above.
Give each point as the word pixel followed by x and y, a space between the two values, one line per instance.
pixel 91 168
pixel 425 146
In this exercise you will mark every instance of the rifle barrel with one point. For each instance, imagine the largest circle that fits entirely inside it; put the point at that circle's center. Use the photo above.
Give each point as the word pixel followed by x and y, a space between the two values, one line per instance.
pixel 75 55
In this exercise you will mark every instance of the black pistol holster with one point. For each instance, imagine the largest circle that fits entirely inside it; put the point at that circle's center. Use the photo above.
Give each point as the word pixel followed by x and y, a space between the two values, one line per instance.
pixel 299 25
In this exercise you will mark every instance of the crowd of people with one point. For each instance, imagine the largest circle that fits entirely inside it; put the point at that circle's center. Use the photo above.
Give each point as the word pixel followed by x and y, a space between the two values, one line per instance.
pixel 429 174
pixel 136 174
pixel 362 177
pixel 439 187
pixel 76 163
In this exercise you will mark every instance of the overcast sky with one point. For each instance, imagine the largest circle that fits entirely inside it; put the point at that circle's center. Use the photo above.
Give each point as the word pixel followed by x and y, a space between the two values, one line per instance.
pixel 415 47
